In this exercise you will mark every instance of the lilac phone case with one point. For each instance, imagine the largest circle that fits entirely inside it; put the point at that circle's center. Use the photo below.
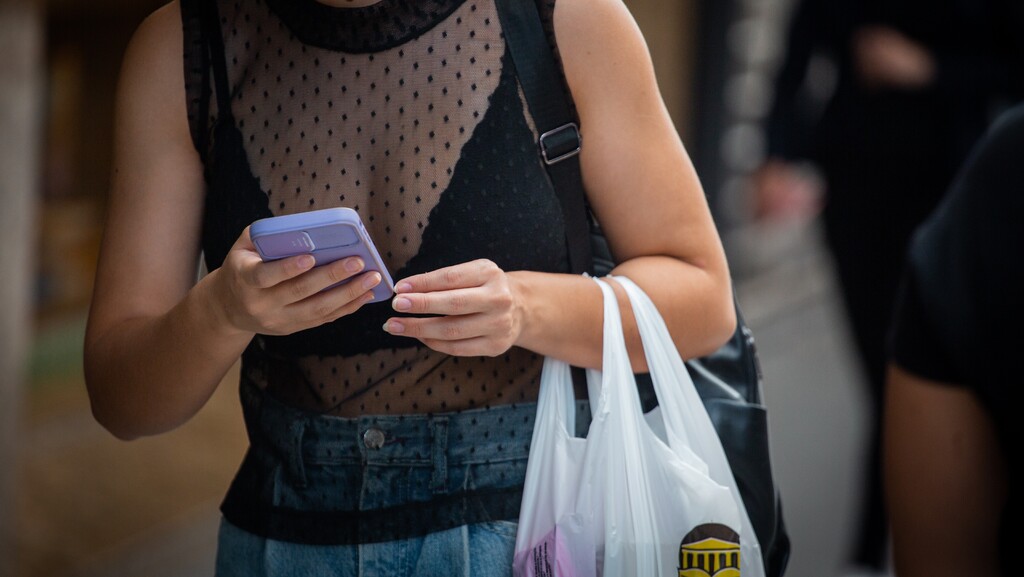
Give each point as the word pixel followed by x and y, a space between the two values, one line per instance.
pixel 329 234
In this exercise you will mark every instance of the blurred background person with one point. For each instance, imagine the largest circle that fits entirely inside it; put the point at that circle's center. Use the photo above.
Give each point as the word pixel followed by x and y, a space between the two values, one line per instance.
pixel 915 84
pixel 950 474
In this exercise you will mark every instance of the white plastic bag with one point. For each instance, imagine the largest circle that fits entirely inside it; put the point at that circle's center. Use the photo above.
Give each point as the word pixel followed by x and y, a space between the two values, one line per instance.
pixel 627 501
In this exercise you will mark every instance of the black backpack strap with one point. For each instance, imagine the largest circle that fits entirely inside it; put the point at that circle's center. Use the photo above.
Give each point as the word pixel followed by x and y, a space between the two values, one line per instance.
pixel 560 139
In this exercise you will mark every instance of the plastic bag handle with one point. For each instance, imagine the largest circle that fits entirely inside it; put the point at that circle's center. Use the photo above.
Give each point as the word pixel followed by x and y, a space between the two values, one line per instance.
pixel 680 403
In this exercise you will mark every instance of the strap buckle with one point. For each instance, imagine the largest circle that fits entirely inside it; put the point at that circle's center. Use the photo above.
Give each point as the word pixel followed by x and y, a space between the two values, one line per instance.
pixel 560 143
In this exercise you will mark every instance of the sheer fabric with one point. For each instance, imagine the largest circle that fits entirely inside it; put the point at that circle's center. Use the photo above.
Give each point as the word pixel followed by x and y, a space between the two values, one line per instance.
pixel 408 112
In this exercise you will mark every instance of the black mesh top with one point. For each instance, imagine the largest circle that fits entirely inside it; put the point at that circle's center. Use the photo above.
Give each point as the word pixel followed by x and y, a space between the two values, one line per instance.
pixel 407 111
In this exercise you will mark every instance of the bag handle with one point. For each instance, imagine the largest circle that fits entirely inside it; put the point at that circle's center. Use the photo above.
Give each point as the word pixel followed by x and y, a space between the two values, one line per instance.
pixel 556 400
pixel 615 366
pixel 673 385
pixel 682 408
pixel 660 352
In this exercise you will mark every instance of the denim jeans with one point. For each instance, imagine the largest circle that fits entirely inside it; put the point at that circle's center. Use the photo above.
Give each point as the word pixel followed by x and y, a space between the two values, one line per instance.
pixel 478 550
pixel 375 495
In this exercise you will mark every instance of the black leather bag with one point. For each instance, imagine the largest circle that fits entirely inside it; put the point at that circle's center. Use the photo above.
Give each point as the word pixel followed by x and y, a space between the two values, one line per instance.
pixel 729 381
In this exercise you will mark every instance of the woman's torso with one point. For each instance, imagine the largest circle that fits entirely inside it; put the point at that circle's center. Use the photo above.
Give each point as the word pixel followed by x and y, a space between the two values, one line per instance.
pixel 410 113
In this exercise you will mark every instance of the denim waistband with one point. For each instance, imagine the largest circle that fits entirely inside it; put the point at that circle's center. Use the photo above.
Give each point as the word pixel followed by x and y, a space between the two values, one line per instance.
pixel 441 440
pixel 322 479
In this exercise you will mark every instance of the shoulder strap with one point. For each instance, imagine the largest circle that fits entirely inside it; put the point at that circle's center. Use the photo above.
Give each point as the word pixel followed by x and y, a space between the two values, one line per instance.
pixel 560 139
pixel 215 44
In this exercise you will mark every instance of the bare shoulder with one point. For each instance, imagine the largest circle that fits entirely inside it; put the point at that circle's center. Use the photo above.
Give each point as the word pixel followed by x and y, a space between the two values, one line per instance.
pixel 151 110
pixel 152 69
pixel 593 19
pixel 599 39
pixel 159 32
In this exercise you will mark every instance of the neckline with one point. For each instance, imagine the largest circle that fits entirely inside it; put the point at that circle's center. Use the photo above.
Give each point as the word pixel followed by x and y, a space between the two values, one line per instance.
pixel 361 29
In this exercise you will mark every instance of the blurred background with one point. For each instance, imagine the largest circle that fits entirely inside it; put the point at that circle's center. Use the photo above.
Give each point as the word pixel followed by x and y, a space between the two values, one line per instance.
pixel 76 502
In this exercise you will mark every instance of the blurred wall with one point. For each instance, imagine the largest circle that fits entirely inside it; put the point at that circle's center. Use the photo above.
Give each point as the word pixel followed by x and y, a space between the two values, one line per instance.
pixel 670 29
pixel 84 46
pixel 20 45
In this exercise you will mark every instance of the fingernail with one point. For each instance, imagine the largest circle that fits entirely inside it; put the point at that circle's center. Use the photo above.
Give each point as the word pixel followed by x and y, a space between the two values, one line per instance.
pixel 394 327
pixel 401 304
pixel 371 280
pixel 354 265
pixel 306 261
pixel 403 287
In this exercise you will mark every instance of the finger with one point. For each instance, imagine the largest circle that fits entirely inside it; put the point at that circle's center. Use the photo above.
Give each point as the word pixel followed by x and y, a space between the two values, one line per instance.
pixel 448 302
pixel 310 314
pixel 330 309
pixel 324 305
pixel 463 275
pixel 313 281
pixel 244 241
pixel 446 328
pixel 268 274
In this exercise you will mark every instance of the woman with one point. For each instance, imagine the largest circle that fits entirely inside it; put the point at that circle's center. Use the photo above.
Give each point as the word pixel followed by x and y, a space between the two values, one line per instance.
pixel 389 438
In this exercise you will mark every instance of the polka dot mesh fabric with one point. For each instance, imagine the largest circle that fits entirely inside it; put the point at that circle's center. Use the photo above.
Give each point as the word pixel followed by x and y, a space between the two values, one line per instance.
pixel 410 113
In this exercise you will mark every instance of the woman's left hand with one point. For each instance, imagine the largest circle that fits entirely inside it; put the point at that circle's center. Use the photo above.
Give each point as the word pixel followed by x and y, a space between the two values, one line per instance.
pixel 479 307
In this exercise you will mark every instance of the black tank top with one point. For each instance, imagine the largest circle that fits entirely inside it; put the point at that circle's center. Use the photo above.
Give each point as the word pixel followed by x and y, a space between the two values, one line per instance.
pixel 409 112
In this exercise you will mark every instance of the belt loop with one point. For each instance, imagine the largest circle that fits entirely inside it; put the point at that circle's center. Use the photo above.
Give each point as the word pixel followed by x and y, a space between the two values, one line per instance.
pixel 296 429
pixel 439 456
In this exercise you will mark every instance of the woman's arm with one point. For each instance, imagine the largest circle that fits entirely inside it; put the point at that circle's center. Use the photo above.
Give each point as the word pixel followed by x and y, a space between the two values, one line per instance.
pixel 157 342
pixel 152 356
pixel 945 479
pixel 646 194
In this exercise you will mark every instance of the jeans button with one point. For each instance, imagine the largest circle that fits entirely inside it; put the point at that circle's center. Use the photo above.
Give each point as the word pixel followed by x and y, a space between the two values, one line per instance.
pixel 373 438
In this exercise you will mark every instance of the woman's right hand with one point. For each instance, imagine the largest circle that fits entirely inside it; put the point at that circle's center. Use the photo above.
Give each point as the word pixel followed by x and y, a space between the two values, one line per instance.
pixel 285 296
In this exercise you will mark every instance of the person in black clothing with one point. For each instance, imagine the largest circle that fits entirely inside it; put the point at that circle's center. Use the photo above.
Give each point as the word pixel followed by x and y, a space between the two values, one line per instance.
pixel 915 85
pixel 952 467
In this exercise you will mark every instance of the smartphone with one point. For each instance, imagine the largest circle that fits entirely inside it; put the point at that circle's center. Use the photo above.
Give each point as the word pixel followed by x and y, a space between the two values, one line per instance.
pixel 329 234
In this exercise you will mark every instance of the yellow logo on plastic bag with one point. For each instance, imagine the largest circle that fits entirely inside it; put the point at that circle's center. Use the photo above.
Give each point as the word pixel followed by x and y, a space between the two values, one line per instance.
pixel 710 550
